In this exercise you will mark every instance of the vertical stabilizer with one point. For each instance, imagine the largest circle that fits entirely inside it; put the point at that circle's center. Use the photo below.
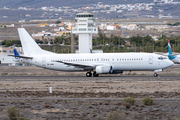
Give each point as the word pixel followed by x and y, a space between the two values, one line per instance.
pixel 30 47
pixel 169 48
pixel 16 54
pixel 171 55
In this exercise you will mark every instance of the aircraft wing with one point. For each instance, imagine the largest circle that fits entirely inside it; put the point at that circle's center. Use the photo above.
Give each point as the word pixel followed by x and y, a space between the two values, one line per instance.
pixel 21 56
pixel 83 66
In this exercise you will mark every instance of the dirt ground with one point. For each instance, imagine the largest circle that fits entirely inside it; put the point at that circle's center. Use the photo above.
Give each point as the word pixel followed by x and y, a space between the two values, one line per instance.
pixel 79 99
pixel 36 71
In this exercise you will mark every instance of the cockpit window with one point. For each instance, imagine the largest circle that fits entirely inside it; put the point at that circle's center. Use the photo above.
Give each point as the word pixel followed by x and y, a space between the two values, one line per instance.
pixel 162 58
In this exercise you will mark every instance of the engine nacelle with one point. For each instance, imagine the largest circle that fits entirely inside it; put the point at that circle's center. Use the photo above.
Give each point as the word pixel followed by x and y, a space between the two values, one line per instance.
pixel 105 69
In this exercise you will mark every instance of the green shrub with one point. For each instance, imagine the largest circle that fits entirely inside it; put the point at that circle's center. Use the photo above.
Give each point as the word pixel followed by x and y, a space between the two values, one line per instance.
pixel 4 74
pixel 115 115
pixel 129 100
pixel 127 105
pixel 13 113
pixel 147 101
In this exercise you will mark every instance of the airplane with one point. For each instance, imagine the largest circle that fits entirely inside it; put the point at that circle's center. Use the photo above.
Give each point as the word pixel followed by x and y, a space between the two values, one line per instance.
pixel 93 63
pixel 174 58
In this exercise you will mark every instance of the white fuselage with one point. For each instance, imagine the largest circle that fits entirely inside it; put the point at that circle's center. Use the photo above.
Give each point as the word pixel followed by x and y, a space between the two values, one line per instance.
pixel 118 61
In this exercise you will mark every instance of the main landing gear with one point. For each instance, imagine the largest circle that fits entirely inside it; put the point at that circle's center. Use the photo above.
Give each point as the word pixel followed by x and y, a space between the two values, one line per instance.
pixel 95 74
pixel 155 75
pixel 89 74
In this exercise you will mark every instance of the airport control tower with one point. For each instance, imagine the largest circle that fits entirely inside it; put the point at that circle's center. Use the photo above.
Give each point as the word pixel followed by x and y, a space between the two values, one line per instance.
pixel 85 27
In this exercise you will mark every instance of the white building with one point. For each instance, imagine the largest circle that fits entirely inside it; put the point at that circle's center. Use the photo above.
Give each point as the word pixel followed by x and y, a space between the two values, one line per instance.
pixel 109 27
pixel 85 28
pixel 132 27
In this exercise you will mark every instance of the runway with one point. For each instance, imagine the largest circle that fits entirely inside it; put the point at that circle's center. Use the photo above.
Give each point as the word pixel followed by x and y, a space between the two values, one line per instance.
pixel 46 78
pixel 58 98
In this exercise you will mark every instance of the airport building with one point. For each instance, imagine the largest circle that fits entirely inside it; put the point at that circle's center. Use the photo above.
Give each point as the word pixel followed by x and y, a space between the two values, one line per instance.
pixel 84 28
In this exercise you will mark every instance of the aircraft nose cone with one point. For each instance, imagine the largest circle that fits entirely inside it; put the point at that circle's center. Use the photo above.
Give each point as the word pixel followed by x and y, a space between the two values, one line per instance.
pixel 170 63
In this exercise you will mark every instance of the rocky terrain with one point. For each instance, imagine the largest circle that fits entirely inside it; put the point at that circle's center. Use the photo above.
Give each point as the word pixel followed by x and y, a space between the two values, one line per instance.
pixel 92 99
pixel 91 109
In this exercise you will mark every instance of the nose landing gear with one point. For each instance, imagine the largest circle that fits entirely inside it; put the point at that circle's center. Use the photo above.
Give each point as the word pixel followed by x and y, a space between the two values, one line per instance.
pixel 155 72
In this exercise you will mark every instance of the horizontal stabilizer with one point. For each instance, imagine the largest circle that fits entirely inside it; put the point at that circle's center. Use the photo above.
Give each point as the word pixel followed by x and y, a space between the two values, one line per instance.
pixel 171 55
pixel 21 56
pixel 175 54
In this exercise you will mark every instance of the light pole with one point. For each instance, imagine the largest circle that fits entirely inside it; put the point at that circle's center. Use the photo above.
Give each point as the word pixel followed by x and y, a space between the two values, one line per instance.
pixel 103 37
pixel 119 42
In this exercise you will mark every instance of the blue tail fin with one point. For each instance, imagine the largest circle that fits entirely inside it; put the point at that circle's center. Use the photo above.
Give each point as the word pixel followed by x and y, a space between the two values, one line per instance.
pixel 169 48
pixel 171 55
pixel 16 54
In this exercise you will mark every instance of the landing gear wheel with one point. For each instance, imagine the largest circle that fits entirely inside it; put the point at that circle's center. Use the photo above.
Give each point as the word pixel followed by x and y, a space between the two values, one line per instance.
pixel 95 75
pixel 88 74
pixel 155 75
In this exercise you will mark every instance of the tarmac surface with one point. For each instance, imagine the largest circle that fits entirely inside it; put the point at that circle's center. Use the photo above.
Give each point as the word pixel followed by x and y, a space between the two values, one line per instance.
pixel 44 78
pixel 58 98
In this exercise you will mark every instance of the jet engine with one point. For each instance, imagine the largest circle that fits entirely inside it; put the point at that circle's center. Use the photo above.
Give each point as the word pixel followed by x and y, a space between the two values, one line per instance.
pixel 105 69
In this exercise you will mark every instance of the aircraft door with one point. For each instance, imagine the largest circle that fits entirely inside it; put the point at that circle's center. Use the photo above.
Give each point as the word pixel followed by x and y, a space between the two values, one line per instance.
pixel 150 59
pixel 43 61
